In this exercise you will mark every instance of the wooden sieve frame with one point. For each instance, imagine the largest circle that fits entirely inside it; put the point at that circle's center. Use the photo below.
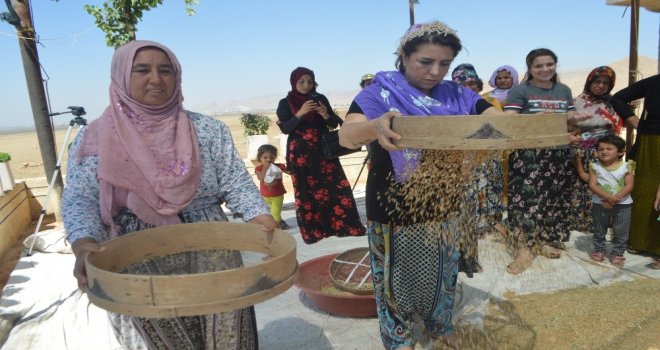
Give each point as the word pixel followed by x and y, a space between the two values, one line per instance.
pixel 336 265
pixel 166 296
pixel 482 132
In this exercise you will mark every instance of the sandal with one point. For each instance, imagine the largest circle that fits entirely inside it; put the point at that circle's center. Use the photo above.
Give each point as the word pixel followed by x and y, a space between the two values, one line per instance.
pixel 655 264
pixel 632 251
pixel 617 260
pixel 598 256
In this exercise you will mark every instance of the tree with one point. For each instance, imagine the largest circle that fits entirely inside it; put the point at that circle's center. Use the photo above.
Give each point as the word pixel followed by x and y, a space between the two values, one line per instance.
pixel 119 18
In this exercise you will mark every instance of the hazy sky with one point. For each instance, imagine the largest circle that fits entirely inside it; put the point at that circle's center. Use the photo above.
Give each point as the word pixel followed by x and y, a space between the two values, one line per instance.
pixel 233 50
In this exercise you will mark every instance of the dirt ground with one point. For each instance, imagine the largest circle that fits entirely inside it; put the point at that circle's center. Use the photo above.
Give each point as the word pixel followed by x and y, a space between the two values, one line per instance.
pixel 618 316
pixel 26 160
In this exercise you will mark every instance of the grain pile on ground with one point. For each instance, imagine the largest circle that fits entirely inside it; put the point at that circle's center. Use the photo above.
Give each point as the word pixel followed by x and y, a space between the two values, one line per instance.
pixel 618 316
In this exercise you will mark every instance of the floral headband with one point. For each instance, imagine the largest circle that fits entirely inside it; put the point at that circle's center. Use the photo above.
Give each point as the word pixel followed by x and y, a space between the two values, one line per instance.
pixel 422 29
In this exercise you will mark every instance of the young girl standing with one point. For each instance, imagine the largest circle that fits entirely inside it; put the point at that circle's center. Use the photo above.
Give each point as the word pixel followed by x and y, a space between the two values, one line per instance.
pixel 611 181
pixel 271 187
pixel 540 179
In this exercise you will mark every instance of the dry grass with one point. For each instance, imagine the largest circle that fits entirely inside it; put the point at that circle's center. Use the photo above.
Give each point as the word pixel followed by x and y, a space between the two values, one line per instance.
pixel 623 315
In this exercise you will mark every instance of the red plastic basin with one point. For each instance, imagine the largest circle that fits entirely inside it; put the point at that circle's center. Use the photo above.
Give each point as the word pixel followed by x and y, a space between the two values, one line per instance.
pixel 313 277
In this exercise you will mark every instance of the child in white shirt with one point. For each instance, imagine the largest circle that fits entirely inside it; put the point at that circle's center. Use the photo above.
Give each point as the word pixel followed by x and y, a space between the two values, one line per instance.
pixel 611 181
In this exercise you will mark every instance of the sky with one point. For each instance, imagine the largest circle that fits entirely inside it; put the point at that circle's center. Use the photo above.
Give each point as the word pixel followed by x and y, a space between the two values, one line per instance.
pixel 236 50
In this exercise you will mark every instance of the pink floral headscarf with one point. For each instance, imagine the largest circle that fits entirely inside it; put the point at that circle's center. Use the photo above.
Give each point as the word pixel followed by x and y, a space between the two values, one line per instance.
pixel 148 155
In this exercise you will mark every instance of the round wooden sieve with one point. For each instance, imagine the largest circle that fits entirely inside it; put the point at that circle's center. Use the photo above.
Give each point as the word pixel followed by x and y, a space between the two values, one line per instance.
pixel 162 296
pixel 350 271
pixel 482 132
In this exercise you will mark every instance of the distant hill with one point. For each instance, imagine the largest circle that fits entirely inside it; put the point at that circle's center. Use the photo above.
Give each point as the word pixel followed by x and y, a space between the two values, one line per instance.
pixel 575 79
pixel 268 103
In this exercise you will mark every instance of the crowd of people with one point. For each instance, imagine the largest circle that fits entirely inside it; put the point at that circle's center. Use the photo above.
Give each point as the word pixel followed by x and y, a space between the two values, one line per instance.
pixel 147 162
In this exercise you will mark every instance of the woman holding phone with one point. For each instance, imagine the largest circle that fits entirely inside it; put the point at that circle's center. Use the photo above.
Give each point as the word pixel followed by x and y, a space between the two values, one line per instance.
pixel 324 201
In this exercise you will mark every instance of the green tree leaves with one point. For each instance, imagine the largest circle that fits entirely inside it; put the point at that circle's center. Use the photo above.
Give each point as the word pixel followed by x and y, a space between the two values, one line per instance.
pixel 119 18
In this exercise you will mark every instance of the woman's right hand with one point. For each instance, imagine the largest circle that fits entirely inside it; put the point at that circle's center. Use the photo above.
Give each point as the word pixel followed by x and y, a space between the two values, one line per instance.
pixel 386 136
pixel 307 107
pixel 81 248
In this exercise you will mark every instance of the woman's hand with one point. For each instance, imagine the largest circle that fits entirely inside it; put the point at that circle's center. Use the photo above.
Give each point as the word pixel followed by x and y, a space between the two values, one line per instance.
pixel 383 130
pixel 322 110
pixel 577 161
pixel 81 248
pixel 265 220
pixel 307 107
pixel 574 138
pixel 575 118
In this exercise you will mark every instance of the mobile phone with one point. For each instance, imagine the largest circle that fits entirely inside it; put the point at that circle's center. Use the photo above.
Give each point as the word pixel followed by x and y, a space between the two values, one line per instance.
pixel 316 97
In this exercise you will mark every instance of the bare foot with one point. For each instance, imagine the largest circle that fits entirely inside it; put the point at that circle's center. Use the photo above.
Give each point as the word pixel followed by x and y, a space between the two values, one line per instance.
pixel 500 229
pixel 549 251
pixel 523 260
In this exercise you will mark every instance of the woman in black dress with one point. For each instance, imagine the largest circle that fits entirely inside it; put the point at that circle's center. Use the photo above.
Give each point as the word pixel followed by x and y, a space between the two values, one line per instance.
pixel 324 201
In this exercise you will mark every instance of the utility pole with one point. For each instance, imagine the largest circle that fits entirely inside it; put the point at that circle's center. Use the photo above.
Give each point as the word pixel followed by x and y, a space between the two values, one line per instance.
pixel 632 63
pixel 20 17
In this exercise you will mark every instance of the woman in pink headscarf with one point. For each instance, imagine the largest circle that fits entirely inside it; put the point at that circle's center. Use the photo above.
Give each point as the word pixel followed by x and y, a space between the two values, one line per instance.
pixel 147 162
pixel 603 121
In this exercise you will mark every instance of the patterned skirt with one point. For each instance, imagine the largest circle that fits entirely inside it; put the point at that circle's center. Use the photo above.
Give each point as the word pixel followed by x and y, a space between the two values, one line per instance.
pixel 581 202
pixel 414 277
pixel 236 330
pixel 324 201
pixel 540 193
pixel 486 190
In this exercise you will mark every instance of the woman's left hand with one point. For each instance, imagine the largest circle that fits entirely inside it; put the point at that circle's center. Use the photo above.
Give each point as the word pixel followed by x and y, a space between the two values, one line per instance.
pixel 574 138
pixel 322 110
pixel 386 137
pixel 575 118
pixel 265 220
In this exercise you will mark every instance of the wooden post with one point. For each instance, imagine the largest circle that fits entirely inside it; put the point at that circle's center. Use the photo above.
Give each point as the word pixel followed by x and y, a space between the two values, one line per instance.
pixel 31 66
pixel 632 65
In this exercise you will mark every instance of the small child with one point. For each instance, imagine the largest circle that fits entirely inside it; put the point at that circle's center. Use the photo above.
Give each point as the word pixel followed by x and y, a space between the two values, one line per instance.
pixel 271 187
pixel 611 181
